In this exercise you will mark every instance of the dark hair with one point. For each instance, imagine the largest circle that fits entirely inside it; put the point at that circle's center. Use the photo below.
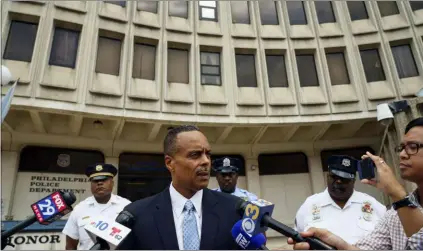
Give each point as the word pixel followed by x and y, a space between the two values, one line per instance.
pixel 414 123
pixel 169 143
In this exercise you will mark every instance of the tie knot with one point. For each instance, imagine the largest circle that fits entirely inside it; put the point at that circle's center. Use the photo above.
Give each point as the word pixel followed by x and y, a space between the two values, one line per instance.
pixel 189 206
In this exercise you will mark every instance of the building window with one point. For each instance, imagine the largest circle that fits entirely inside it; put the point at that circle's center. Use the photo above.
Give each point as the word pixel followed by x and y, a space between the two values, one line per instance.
pixel 276 71
pixel 337 68
pixel 268 13
pixel 142 175
pixel 324 11
pixel 148 6
pixel 246 70
pixel 64 48
pixel 416 5
pixel 404 61
pixel 372 65
pixel 388 8
pixel 357 10
pixel 20 42
pixel 240 12
pixel 178 66
pixel 120 3
pixel 178 9
pixel 208 10
pixel 57 160
pixel 210 68
pixel 108 56
pixel 276 164
pixel 307 70
pixel 144 65
pixel 296 12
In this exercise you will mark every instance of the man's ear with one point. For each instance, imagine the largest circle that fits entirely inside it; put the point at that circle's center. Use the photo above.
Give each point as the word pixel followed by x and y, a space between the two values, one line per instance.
pixel 169 163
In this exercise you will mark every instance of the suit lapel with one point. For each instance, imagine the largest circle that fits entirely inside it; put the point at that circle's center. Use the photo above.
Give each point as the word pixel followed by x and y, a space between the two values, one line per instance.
pixel 165 223
pixel 210 224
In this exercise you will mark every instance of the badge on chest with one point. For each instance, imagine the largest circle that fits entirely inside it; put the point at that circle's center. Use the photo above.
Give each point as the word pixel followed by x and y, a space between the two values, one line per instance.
pixel 315 212
pixel 367 211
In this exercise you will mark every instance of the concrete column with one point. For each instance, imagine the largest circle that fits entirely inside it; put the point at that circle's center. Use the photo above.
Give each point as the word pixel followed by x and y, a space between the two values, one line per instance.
pixel 317 178
pixel 9 169
pixel 114 161
pixel 252 176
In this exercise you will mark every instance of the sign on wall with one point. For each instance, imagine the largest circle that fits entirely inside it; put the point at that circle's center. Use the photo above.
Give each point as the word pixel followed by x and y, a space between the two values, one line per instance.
pixel 31 187
pixel 44 170
pixel 37 241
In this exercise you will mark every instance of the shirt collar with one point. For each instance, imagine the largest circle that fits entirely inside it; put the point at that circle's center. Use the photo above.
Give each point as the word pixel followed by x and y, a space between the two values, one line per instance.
pixel 113 200
pixel 178 201
pixel 236 189
pixel 327 200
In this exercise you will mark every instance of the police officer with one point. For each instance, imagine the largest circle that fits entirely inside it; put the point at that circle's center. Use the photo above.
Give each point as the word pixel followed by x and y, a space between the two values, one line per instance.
pixel 227 176
pixel 340 209
pixel 103 202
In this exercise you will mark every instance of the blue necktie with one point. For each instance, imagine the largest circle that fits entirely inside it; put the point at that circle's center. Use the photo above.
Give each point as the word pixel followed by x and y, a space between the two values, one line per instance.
pixel 189 228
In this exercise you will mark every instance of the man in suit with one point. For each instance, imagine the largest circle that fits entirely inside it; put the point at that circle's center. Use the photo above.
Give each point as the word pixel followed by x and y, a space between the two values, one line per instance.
pixel 187 215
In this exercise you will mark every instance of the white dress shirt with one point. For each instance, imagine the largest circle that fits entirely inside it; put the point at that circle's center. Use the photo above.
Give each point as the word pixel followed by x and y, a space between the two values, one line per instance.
pixel 351 223
pixel 178 203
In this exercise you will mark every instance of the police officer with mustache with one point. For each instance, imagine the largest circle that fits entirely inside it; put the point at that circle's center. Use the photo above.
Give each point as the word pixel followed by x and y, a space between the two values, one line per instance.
pixel 341 209
pixel 227 170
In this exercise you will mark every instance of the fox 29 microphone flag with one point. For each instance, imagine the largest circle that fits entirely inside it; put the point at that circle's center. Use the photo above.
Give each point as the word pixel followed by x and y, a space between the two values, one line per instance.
pixel 6 101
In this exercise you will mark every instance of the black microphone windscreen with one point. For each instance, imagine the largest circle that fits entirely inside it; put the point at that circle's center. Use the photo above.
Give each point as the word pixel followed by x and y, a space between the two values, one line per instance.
pixel 69 198
pixel 125 218
pixel 241 205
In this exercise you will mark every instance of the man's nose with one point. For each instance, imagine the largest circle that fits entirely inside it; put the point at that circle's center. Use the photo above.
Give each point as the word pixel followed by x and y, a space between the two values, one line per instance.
pixel 205 159
pixel 403 154
pixel 338 181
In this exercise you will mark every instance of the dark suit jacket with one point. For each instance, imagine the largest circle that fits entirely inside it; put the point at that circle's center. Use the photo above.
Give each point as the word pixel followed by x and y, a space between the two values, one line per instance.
pixel 154 226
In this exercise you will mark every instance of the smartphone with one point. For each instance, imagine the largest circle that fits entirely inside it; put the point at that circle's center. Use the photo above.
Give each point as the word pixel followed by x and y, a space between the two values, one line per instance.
pixel 366 169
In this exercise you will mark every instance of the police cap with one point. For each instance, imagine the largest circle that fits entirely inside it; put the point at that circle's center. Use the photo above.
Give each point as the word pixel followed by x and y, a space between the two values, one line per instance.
pixel 226 165
pixel 100 171
pixel 342 166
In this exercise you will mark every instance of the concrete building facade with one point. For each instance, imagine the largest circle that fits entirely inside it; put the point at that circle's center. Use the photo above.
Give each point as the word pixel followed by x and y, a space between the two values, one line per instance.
pixel 280 84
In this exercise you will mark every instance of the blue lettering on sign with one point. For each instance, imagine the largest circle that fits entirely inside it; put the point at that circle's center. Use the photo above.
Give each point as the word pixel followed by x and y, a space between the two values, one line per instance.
pixel 101 225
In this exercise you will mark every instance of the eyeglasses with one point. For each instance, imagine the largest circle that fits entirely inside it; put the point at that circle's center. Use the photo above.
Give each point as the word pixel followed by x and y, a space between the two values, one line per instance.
pixel 410 148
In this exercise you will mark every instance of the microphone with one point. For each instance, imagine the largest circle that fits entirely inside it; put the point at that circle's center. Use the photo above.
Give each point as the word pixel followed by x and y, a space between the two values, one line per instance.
pixel 253 210
pixel 241 232
pixel 106 233
pixel 46 211
pixel 124 218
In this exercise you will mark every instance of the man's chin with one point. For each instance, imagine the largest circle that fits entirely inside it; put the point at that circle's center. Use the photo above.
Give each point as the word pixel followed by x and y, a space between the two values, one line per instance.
pixel 202 184
pixel 408 176
pixel 228 190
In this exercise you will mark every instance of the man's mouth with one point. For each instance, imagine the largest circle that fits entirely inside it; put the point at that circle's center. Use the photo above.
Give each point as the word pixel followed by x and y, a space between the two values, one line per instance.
pixel 100 189
pixel 404 166
pixel 338 189
pixel 203 174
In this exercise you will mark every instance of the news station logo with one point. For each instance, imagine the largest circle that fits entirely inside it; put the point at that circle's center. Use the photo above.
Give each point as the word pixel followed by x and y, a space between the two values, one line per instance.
pixel 105 227
pixel 242 241
pixel 50 208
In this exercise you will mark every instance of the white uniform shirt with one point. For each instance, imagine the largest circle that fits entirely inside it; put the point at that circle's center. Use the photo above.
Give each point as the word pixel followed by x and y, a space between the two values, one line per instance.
pixel 82 212
pixel 358 217
pixel 178 203
pixel 241 193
